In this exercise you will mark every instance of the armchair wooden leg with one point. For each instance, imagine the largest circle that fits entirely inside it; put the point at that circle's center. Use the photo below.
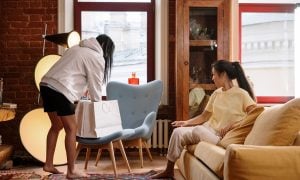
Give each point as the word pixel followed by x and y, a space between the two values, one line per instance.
pixel 87 157
pixel 141 152
pixel 78 148
pixel 147 149
pixel 112 157
pixel 124 154
pixel 98 156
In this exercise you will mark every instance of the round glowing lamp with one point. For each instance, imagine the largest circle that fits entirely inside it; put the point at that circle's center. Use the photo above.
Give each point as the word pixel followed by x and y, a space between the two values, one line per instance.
pixel 34 128
pixel 43 67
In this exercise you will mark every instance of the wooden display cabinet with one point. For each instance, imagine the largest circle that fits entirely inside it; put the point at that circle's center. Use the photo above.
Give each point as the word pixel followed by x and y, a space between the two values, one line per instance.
pixel 202 37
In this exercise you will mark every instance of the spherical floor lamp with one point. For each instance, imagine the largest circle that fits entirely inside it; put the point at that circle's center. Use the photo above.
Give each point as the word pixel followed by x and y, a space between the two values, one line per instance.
pixel 35 124
pixel 34 128
pixel 43 67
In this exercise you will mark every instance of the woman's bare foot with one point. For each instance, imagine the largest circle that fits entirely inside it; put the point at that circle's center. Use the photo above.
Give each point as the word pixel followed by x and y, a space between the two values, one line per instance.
pixel 52 169
pixel 76 174
pixel 163 175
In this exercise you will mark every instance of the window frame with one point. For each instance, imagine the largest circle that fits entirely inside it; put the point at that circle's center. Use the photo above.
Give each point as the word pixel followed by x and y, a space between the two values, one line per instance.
pixel 124 6
pixel 260 7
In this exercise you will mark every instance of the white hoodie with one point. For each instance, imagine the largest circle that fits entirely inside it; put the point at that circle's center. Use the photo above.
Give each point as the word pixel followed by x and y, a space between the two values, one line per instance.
pixel 79 68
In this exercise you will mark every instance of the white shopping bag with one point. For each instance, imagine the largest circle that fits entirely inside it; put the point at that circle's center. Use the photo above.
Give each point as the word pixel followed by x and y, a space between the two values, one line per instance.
pixel 97 119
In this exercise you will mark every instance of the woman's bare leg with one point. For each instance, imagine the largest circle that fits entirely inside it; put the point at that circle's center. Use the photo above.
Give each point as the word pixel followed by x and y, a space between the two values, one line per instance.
pixel 70 127
pixel 54 130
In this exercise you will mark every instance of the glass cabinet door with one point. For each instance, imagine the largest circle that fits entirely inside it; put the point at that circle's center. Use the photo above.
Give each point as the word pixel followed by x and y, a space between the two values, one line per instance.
pixel 202 53
pixel 202 44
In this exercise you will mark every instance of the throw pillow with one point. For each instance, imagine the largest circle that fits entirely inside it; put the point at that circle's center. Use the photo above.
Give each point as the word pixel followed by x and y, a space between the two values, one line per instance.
pixel 277 125
pixel 239 134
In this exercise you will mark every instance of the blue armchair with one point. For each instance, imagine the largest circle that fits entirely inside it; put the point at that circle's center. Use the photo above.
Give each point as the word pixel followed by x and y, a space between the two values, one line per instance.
pixel 138 108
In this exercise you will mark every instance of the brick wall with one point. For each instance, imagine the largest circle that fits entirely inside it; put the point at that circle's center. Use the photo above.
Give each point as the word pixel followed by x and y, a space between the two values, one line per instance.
pixel 21 28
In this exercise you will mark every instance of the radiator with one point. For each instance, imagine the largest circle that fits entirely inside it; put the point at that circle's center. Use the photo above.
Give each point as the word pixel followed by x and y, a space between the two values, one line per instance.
pixel 160 135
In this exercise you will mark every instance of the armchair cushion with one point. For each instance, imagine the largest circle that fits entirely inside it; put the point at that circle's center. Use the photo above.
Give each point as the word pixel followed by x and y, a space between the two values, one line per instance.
pixel 239 134
pixel 277 125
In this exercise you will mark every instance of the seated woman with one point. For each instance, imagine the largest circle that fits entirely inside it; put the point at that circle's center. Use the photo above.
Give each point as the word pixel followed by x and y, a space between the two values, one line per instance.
pixel 227 105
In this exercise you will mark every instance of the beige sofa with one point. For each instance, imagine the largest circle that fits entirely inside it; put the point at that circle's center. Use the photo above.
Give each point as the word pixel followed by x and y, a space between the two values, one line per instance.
pixel 265 146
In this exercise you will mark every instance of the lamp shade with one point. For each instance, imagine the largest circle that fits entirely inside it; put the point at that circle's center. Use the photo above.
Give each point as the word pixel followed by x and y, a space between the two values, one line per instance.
pixel 43 67
pixel 66 40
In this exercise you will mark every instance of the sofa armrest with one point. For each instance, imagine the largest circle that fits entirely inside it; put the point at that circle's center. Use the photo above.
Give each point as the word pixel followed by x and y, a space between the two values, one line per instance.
pixel 257 162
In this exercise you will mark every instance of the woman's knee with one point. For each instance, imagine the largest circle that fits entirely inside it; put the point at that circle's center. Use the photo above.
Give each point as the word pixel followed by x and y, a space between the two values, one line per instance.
pixel 177 132
pixel 199 131
pixel 57 127
pixel 69 123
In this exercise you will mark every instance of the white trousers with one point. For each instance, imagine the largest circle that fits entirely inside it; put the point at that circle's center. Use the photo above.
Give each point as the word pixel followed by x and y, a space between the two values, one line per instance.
pixel 183 136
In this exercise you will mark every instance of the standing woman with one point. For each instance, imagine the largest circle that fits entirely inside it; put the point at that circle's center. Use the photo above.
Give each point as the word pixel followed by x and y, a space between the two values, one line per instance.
pixel 226 107
pixel 85 66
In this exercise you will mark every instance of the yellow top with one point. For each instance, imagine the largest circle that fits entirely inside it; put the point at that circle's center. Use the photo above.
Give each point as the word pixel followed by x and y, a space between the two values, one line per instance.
pixel 228 106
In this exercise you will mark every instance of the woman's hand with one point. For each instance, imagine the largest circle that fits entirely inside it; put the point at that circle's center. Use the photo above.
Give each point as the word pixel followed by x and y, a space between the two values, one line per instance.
pixel 222 132
pixel 179 123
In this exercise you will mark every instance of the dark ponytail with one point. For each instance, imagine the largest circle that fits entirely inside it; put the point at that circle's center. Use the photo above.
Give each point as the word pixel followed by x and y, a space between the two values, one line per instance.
pixel 234 71
pixel 108 48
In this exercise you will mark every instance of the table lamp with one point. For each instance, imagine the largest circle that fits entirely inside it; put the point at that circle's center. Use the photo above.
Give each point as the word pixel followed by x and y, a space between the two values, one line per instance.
pixel 66 40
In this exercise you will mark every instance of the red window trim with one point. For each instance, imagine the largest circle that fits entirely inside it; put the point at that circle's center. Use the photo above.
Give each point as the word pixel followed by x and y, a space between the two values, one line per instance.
pixel 273 99
pixel 111 6
pixel 249 7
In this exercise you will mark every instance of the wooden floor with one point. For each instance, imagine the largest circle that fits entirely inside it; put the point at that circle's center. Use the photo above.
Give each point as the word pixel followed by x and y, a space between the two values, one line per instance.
pixel 105 165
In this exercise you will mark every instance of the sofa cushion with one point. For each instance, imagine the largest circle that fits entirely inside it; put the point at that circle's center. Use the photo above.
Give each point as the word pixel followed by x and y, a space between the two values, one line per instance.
pixel 212 156
pixel 277 125
pixel 239 134
pixel 262 162
pixel 191 148
pixel 192 168
pixel 297 140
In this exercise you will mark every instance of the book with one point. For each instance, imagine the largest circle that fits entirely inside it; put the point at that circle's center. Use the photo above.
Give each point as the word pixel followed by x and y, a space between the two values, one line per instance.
pixel 9 105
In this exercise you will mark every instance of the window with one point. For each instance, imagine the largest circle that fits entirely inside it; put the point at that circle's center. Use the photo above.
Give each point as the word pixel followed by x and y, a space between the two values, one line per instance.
pixel 267 50
pixel 130 25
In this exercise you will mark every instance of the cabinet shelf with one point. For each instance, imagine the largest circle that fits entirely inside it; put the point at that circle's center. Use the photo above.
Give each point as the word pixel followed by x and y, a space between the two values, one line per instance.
pixel 201 42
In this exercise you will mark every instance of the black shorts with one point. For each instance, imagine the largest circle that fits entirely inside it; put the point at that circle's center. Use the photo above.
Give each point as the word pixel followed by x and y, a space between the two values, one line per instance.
pixel 54 101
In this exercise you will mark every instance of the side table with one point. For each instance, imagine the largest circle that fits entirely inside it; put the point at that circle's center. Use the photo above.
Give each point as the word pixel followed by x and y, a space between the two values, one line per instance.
pixel 6 114
pixel 5 153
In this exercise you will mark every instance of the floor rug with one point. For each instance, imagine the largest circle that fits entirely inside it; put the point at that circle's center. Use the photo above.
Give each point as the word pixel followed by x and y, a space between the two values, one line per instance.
pixel 123 176
pixel 19 175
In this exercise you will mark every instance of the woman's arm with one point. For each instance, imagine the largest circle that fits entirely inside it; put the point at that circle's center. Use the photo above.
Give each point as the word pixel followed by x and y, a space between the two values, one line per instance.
pixel 203 117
